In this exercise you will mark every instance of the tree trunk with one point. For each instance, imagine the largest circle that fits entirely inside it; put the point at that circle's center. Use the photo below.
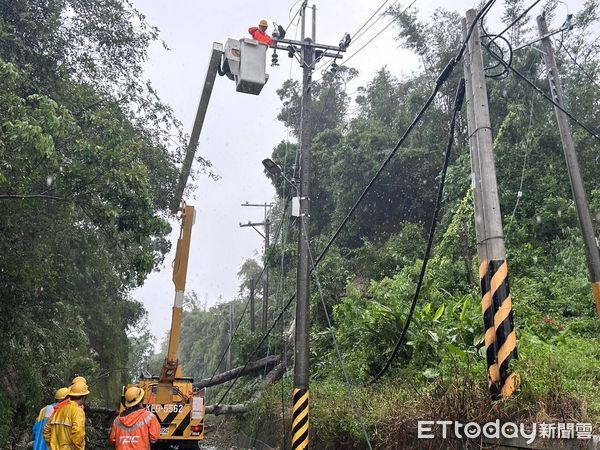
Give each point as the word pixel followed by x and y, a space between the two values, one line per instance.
pixel 238 371
pixel 225 409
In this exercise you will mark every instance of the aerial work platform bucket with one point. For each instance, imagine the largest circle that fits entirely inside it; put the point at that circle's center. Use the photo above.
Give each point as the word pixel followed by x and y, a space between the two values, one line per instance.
pixel 247 64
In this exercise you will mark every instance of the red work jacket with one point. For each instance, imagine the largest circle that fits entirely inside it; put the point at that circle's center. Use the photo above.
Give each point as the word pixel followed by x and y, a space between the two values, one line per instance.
pixel 260 35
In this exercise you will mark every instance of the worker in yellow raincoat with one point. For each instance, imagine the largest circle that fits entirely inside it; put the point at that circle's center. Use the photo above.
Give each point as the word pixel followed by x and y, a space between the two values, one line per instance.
pixel 66 428
pixel 45 413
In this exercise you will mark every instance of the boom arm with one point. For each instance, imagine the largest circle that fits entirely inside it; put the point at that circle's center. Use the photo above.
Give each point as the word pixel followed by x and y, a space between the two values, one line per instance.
pixel 209 82
pixel 171 368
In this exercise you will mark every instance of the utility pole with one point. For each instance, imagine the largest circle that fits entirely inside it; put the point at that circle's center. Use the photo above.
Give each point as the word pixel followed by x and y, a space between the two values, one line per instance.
pixel 230 333
pixel 487 306
pixel 265 310
pixel 267 227
pixel 252 313
pixel 579 196
pixel 501 341
pixel 307 49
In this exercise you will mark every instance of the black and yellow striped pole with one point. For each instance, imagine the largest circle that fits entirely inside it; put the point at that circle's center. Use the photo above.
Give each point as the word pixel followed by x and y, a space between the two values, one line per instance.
pixel 506 338
pixel 300 419
pixel 491 350
pixel 496 302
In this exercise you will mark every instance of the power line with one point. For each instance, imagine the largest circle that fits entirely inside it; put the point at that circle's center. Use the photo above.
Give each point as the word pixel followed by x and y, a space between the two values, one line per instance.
pixel 523 14
pixel 258 279
pixel 349 386
pixel 295 15
pixel 458 101
pixel 583 70
pixel 592 133
pixel 356 34
pixel 391 22
pixel 525 158
pixel 444 75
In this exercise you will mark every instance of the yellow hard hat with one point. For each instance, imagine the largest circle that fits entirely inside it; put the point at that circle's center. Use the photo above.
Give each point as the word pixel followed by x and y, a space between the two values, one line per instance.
pixel 133 396
pixel 79 380
pixel 78 390
pixel 61 393
pixel 263 23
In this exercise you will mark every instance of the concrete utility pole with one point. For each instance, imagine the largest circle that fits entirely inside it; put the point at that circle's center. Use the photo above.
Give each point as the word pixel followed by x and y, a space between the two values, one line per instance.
pixel 252 313
pixel 581 204
pixel 230 333
pixel 307 50
pixel 487 305
pixel 265 310
pixel 267 227
pixel 501 342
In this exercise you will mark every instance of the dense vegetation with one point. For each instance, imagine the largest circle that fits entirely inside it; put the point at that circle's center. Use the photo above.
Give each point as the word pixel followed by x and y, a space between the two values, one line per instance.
pixel 85 177
pixel 86 168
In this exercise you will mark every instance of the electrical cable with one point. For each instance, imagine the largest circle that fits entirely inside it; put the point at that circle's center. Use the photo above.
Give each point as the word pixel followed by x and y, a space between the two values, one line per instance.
pixel 326 66
pixel 446 72
pixel 583 70
pixel 297 12
pixel 356 34
pixel 592 133
pixel 523 14
pixel 444 75
pixel 260 343
pixel 458 101
pixel 349 386
pixel 520 191
pixel 487 45
pixel 258 278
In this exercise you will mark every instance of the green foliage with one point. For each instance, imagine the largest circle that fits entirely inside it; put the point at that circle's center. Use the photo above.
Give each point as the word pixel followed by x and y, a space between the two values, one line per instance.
pixel 86 172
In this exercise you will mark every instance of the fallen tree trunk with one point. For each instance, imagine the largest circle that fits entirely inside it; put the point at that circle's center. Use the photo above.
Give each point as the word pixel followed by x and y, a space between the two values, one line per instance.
pixel 238 371
pixel 225 409
pixel 272 377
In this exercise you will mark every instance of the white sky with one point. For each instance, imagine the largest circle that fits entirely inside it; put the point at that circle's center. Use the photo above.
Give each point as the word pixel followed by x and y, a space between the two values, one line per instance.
pixel 241 130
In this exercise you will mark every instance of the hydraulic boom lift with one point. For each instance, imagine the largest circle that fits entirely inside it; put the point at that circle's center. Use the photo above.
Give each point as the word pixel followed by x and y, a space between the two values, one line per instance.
pixel 171 396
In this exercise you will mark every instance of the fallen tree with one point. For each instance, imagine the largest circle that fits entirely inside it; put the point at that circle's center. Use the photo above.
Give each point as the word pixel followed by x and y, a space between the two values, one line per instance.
pixel 226 409
pixel 239 371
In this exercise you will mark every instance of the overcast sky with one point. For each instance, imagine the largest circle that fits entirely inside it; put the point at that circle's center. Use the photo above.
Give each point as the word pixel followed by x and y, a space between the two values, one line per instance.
pixel 241 130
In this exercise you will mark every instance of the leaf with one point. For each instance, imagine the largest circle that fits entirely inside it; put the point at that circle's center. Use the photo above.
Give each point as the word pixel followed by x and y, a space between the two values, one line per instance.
pixel 433 335
pixel 479 339
pixel 427 309
pixel 431 373
pixel 456 350
pixel 439 312
pixel 464 309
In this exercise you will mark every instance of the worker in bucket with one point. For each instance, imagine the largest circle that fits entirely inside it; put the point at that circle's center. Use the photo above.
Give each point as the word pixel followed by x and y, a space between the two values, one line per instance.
pixel 135 428
pixel 260 33
pixel 66 427
pixel 38 428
